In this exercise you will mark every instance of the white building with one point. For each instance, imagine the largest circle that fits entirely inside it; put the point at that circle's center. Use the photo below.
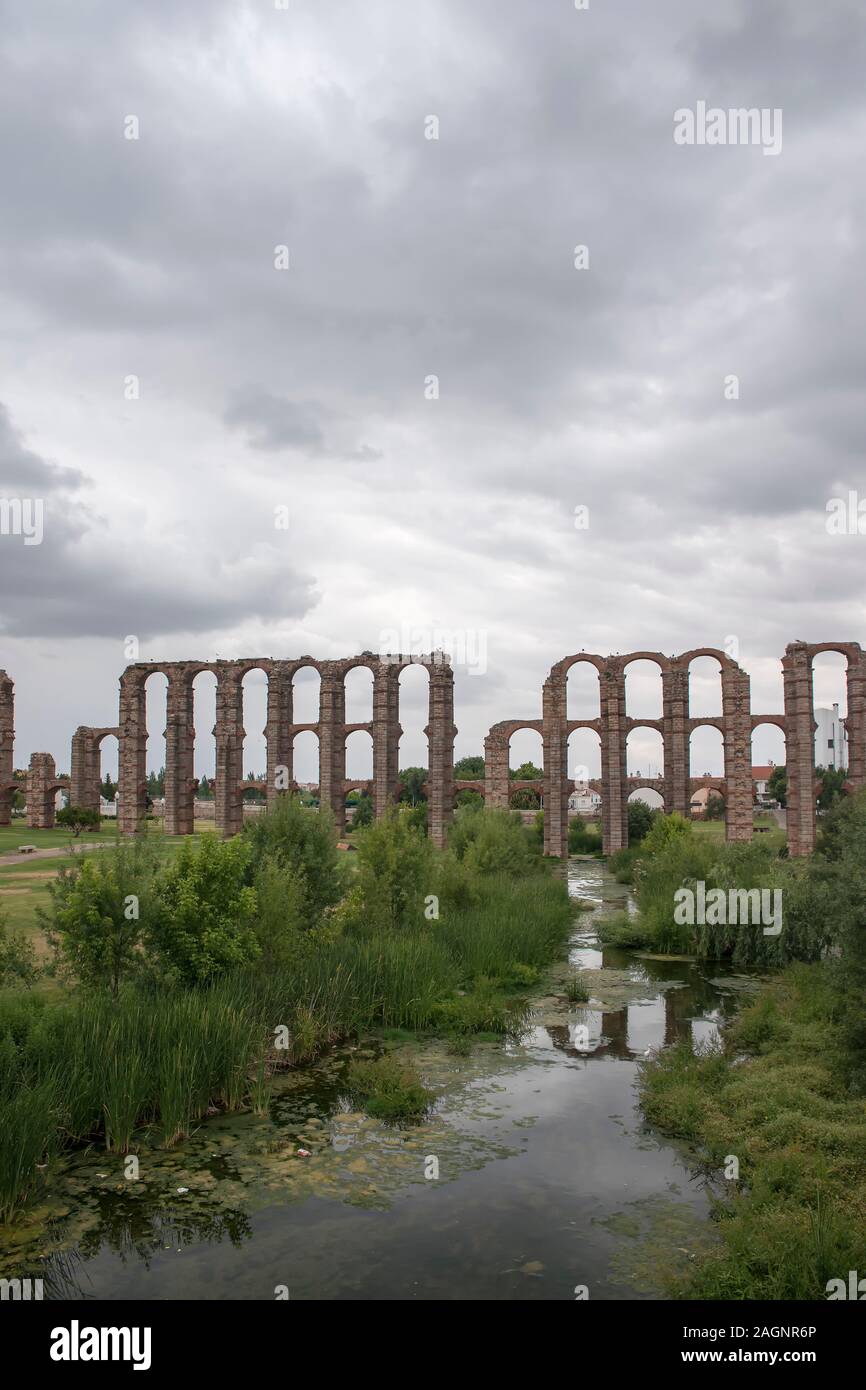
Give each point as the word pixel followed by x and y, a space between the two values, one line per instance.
pixel 584 801
pixel 831 742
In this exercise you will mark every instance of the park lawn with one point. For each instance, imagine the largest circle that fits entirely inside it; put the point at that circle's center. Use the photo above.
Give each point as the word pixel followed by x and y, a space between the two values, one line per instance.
pixel 19 833
pixel 24 885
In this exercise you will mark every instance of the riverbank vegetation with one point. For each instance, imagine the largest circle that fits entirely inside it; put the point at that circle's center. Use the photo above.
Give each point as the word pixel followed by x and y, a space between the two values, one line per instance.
pixel 188 982
pixel 779 1107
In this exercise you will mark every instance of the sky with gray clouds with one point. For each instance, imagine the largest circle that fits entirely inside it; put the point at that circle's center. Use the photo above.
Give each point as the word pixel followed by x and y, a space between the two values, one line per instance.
pixel 409 257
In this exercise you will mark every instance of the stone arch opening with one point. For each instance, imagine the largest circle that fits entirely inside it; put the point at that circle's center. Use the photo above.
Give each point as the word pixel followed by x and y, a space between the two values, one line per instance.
pixel 707 751
pixel 358 687
pixel 305 759
pixel 254 719
pixel 156 717
pixel 582 691
pixel 830 709
pixel 525 752
pixel 204 687
pixel 584 755
pixel 705 687
pixel 650 796
pixel 413 687
pixel 306 694
pixel 643 688
pixel 645 752
pixel 359 755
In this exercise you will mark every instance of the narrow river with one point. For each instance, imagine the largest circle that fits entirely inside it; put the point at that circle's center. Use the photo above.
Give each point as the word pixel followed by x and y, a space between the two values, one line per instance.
pixel 547 1178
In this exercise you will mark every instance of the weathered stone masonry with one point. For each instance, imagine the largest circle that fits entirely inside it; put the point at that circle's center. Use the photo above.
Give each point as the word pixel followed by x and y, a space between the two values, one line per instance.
pixel 331 729
pixel 613 725
pixel 736 724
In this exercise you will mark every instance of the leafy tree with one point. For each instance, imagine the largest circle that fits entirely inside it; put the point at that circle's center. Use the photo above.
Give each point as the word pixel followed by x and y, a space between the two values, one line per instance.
pixel 832 784
pixel 412 789
pixel 641 819
pixel 526 800
pixel 204 910
pixel 395 872
pixel 363 812
pixel 469 769
pixel 302 842
pixel 98 913
pixel 527 772
pixel 108 789
pixel 79 818
pixel 17 957
pixel 205 790
pixel 715 808
pixel 777 785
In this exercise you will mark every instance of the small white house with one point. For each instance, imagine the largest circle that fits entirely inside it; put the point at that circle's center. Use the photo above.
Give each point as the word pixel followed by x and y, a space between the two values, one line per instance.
pixel 584 800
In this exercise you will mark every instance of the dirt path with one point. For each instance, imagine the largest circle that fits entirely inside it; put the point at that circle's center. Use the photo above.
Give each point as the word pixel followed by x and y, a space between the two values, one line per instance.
pixel 12 857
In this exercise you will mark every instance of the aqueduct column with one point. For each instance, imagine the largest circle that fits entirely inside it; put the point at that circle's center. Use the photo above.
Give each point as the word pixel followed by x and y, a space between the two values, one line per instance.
pixel 555 759
pixel 675 708
pixel 496 769
pixel 332 742
pixel 855 722
pixel 800 748
pixel 179 753
pixel 386 736
pixel 278 733
pixel 132 752
pixel 614 776
pixel 41 785
pixel 737 720
pixel 84 772
pixel 229 736
pixel 7 741
pixel 440 745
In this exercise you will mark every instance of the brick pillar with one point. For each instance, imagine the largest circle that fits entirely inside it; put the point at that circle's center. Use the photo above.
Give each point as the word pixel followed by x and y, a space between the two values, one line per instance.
pixel 614 779
pixel 7 741
pixel 41 777
pixel 496 770
pixel 132 753
pixel 229 735
pixel 855 722
pixel 332 742
pixel 278 733
pixel 386 736
pixel 737 734
pixel 84 779
pixel 675 706
pixel 799 748
pixel 179 754
pixel 440 733
pixel 554 735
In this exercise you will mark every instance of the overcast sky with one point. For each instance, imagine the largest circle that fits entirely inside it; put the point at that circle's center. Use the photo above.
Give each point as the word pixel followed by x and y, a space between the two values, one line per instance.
pixel 411 258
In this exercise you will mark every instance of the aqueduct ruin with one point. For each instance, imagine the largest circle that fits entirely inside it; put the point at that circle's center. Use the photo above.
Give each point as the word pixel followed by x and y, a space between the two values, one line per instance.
pixel 612 726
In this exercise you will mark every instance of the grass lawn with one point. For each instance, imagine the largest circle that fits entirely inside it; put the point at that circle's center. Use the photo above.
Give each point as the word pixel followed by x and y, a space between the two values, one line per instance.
pixel 24 885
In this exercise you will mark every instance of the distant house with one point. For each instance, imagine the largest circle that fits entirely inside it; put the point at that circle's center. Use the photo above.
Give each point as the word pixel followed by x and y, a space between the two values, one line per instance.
pixel 831 739
pixel 700 798
pixel 584 800
pixel 761 783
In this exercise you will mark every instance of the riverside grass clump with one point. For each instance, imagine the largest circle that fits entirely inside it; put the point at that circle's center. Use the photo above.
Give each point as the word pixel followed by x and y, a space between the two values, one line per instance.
pixel 180 1012
pixel 775 1095
pixel 817 896
pixel 389 1089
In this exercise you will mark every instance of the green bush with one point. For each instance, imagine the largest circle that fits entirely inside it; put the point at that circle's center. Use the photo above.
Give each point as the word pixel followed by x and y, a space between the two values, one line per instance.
pixel 583 839
pixel 302 841
pixel 99 912
pixel 204 913
pixel 389 1089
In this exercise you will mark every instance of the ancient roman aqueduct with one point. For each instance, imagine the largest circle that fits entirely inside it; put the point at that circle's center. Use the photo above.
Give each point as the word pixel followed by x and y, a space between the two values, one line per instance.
pixel 613 725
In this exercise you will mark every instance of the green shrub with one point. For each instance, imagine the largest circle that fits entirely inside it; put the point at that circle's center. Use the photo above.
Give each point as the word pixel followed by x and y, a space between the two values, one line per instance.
pixel 583 839
pixel 99 912
pixel 388 1088
pixel 203 919
pixel 303 842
